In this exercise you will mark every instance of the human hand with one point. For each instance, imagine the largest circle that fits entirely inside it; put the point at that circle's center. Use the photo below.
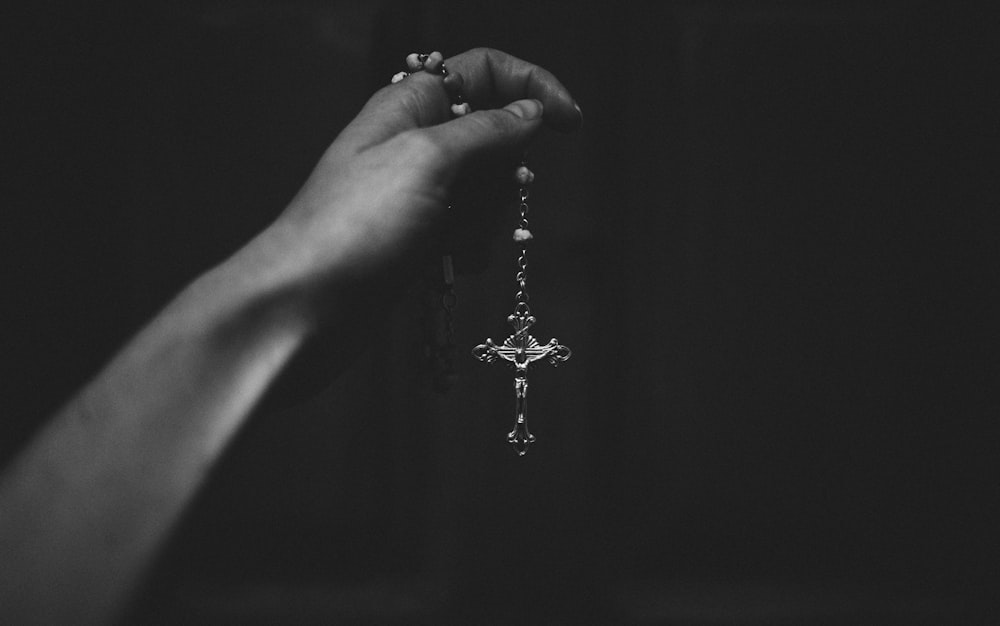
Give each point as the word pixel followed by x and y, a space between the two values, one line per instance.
pixel 88 505
pixel 379 195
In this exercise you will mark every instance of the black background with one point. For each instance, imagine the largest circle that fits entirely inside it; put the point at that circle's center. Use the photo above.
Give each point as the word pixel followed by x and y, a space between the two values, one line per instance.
pixel 772 248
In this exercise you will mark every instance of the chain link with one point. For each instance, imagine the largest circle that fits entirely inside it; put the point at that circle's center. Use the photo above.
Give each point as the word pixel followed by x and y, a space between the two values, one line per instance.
pixel 521 297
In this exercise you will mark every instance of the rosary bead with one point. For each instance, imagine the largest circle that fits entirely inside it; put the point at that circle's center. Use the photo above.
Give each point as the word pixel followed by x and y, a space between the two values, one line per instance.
pixel 398 77
pixel 413 62
pixel 433 62
pixel 522 236
pixel 460 109
pixel 524 176
pixel 453 84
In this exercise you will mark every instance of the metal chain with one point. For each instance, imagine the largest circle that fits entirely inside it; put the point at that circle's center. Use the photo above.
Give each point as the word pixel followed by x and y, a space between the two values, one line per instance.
pixel 521 349
pixel 521 297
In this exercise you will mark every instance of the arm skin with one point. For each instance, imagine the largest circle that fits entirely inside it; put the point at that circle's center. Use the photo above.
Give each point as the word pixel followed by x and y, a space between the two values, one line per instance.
pixel 85 507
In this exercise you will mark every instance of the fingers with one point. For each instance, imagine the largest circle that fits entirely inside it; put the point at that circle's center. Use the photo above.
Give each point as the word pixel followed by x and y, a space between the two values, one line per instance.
pixel 487 79
pixel 493 78
pixel 490 132
pixel 416 102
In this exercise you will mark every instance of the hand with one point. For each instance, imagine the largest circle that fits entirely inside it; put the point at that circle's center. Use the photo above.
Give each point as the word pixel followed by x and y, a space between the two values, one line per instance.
pixel 380 191
pixel 87 505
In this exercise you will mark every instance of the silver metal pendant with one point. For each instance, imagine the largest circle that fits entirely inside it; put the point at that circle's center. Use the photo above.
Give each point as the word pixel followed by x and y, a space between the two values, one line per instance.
pixel 521 350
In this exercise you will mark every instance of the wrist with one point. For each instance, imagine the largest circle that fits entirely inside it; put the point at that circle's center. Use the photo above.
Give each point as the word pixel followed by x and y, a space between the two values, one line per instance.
pixel 269 281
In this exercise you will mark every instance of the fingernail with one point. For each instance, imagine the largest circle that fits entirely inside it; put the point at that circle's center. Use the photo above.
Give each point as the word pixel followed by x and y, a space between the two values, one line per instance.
pixel 526 109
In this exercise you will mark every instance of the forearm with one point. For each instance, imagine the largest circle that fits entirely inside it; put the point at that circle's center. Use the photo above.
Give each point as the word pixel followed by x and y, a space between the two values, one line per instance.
pixel 86 505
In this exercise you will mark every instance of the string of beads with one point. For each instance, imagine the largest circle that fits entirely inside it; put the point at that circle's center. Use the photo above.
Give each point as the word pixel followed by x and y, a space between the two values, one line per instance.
pixel 442 356
pixel 440 346
pixel 522 236
pixel 433 63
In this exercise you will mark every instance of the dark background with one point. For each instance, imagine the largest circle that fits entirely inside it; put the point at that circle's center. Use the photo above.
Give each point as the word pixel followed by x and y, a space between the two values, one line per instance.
pixel 772 248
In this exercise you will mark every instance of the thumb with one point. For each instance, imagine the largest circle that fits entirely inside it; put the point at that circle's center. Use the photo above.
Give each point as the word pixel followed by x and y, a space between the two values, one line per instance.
pixel 491 132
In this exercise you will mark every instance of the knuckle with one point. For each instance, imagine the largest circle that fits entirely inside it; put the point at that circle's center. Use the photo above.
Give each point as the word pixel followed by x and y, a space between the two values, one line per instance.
pixel 490 57
pixel 480 51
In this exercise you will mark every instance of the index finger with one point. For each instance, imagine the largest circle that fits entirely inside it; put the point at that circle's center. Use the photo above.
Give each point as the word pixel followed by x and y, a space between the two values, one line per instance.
pixel 492 79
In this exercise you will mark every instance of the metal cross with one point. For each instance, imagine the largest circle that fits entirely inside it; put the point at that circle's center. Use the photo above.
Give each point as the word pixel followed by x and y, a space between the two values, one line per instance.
pixel 520 350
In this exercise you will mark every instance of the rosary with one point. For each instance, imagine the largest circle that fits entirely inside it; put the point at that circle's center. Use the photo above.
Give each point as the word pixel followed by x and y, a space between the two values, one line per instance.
pixel 519 349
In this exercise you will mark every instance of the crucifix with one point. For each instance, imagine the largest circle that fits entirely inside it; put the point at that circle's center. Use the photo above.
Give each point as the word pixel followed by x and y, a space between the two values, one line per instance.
pixel 521 350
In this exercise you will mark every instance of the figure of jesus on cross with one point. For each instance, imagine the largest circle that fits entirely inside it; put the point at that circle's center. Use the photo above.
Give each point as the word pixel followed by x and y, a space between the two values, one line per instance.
pixel 520 350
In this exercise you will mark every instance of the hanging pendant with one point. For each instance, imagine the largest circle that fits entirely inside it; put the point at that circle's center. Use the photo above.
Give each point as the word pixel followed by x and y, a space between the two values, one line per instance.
pixel 521 349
